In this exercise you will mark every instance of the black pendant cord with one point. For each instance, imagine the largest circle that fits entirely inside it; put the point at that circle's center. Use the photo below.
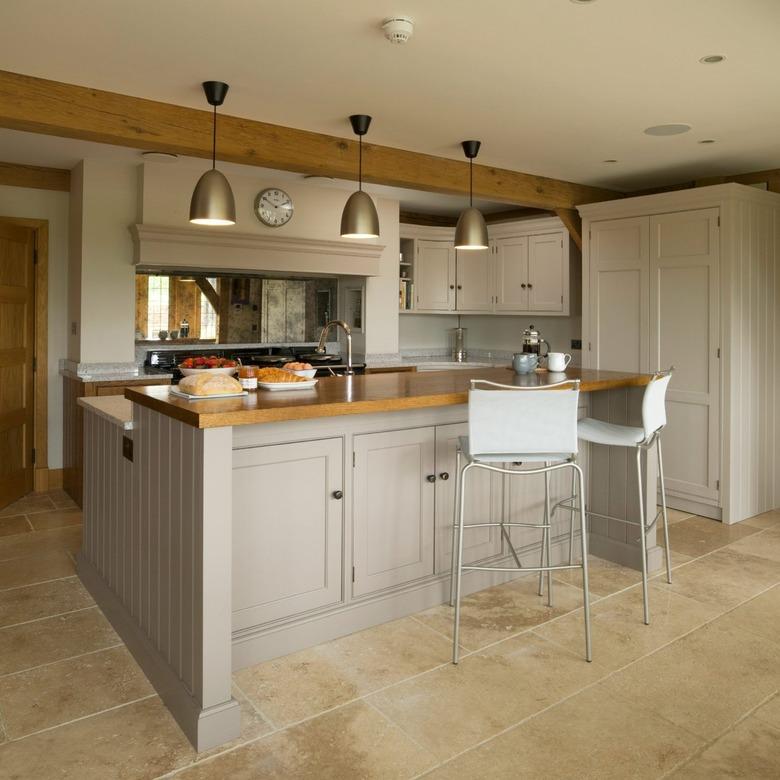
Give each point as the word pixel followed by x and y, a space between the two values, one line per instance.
pixel 471 182
pixel 360 163
pixel 214 141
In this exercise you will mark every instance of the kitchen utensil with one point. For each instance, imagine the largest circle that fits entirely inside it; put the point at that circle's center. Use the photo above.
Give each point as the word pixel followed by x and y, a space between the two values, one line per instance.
pixel 524 362
pixel 532 342
pixel 458 344
pixel 557 361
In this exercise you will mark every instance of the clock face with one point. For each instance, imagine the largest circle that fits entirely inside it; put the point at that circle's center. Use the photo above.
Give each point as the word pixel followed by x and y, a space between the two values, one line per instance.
pixel 273 207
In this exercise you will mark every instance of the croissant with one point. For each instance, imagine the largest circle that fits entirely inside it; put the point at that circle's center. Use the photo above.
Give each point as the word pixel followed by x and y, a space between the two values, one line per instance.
pixel 278 375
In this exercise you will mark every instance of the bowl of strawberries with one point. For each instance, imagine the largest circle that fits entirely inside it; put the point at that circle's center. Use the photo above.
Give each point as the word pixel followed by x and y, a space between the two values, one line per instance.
pixel 207 365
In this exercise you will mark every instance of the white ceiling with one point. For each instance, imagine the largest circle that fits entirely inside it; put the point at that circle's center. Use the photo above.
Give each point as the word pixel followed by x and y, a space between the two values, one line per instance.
pixel 550 86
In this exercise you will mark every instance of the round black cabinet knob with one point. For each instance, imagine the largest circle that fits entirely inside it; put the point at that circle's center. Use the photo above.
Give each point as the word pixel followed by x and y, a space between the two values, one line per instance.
pixel 431 478
pixel 444 475
pixel 338 494
pixel 523 285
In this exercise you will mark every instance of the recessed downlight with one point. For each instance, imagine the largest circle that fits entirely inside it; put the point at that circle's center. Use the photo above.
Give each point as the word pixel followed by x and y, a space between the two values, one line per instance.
pixel 610 161
pixel 712 59
pixel 166 157
pixel 671 129
pixel 707 141
pixel 583 2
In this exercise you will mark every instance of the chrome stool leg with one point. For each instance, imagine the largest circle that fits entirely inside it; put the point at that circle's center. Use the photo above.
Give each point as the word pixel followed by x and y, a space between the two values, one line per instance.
pixel 643 536
pixel 663 509
pixel 548 533
pixel 455 514
pixel 584 546
pixel 459 565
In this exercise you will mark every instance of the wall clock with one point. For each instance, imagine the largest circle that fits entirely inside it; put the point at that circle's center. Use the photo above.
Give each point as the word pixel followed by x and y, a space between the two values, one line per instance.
pixel 273 207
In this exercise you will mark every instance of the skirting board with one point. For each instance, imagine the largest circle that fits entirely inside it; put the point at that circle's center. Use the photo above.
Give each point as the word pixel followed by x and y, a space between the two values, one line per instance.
pixel 47 479
pixel 694 507
pixel 205 728
pixel 625 554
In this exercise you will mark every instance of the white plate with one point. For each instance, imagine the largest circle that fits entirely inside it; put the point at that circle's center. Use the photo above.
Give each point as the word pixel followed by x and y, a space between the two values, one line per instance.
pixel 193 371
pixel 191 397
pixel 288 385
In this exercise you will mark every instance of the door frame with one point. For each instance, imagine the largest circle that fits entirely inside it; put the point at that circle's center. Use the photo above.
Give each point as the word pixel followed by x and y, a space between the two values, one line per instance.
pixel 40 352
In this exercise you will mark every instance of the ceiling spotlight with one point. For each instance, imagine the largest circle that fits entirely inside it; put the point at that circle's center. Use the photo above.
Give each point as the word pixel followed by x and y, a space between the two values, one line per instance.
pixel 398 29
pixel 707 141
pixel 673 129
pixel 712 59
pixel 164 157
pixel 583 2
pixel 610 161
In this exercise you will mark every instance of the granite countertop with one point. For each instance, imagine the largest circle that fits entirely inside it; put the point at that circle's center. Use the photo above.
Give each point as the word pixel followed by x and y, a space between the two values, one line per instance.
pixel 114 376
pixel 114 408
pixel 371 393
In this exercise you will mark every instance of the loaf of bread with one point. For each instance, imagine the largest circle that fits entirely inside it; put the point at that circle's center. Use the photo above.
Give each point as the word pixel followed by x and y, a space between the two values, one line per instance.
pixel 278 375
pixel 209 384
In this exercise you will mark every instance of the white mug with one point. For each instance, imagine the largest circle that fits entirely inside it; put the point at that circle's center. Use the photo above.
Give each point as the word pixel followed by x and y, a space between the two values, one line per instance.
pixel 557 361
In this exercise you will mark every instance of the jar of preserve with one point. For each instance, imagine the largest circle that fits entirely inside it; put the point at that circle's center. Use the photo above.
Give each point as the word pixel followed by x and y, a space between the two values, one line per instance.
pixel 247 376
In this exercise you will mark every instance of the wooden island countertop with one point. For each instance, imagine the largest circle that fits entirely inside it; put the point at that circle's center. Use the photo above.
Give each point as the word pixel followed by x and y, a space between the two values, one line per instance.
pixel 371 393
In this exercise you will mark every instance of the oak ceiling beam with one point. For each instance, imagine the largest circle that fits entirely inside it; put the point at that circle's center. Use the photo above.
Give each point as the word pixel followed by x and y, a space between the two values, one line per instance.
pixel 211 294
pixel 429 220
pixel 35 177
pixel 573 222
pixel 53 108
pixel 510 215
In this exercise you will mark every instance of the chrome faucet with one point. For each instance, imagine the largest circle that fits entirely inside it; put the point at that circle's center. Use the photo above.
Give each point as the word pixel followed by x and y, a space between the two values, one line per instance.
pixel 348 331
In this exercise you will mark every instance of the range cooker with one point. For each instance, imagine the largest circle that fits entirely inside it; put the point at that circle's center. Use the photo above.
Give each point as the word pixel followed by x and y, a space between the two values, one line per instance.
pixel 160 361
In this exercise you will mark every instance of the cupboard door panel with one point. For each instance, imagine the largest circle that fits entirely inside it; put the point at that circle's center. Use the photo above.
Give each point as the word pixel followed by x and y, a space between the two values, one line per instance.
pixel 474 283
pixel 393 511
pixel 483 503
pixel 287 552
pixel 619 295
pixel 546 273
pixel 434 276
pixel 511 274
pixel 684 327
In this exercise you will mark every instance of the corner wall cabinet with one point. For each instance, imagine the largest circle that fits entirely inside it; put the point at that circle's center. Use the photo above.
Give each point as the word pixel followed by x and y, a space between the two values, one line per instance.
pixel 691 279
pixel 526 270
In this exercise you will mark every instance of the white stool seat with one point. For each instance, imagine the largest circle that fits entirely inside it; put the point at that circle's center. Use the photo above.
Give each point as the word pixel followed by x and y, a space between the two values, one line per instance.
pixel 600 432
pixel 524 457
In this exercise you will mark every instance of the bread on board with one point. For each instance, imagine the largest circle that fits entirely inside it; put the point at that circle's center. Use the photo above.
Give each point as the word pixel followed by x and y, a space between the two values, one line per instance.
pixel 209 384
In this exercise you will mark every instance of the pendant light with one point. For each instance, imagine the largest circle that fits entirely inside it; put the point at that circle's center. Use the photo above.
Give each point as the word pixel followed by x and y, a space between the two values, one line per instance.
pixel 359 218
pixel 471 232
pixel 212 200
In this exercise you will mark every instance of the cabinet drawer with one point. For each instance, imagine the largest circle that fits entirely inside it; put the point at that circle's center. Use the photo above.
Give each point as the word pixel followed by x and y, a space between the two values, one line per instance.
pixel 287 530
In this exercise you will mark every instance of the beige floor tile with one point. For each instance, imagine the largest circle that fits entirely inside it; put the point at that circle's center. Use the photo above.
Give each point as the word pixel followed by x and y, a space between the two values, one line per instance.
pixel 32 602
pixel 675 515
pixel 139 740
pixel 697 536
pixel 765 544
pixel 306 683
pixel 725 578
pixel 592 736
pixel 497 613
pixel 63 691
pixel 619 634
pixel 770 712
pixel 453 708
pixel 750 750
pixel 37 542
pixel 769 519
pixel 353 741
pixel 56 518
pixel 16 524
pixel 44 641
pixel 35 502
pixel 760 616
pixel 36 568
pixel 705 681
pixel 604 577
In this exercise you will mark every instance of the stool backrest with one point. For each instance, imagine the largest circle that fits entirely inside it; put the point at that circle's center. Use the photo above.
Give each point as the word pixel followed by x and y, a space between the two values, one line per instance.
pixel 510 420
pixel 654 403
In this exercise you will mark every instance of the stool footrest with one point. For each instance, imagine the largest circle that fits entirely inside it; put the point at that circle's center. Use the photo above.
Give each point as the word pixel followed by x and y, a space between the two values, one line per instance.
pixel 562 567
pixel 504 525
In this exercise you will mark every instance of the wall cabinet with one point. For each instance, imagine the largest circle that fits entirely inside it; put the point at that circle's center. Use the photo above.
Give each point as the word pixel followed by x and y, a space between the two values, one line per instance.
pixel 524 271
pixel 287 552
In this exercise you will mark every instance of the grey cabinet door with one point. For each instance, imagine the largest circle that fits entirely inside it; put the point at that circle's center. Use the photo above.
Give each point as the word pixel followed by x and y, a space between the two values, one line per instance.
pixel 546 273
pixel 510 272
pixel 393 509
pixel 434 276
pixel 483 503
pixel 287 530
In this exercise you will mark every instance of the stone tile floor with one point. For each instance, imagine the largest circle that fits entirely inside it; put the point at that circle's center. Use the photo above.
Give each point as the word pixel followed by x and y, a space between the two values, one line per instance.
pixel 695 694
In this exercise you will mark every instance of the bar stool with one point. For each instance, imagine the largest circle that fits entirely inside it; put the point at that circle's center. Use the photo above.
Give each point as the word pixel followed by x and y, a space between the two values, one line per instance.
pixel 639 439
pixel 509 424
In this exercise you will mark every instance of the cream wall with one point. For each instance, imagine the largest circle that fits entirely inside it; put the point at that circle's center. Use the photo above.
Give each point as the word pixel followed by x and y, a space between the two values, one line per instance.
pixel 51 206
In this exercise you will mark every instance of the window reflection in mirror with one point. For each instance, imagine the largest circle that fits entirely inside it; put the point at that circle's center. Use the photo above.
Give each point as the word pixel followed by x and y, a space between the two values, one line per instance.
pixel 245 309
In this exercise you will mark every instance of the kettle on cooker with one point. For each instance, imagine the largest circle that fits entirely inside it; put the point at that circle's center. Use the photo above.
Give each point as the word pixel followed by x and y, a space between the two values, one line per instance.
pixel 532 342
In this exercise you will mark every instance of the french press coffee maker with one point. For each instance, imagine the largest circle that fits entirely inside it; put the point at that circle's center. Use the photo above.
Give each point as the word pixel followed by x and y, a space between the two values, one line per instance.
pixel 532 342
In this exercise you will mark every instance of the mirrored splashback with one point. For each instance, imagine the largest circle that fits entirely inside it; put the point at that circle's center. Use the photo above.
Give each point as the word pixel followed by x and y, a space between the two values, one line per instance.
pixel 235 309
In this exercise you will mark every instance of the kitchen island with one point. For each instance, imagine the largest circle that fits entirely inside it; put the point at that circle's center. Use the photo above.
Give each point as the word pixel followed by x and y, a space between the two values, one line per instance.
pixel 230 531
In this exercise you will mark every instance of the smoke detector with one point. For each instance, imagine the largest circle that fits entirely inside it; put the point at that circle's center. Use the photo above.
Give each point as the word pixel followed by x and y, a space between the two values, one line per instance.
pixel 398 29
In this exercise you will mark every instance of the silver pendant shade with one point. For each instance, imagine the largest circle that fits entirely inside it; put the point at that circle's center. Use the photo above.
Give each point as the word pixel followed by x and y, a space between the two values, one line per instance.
pixel 212 200
pixel 359 218
pixel 471 231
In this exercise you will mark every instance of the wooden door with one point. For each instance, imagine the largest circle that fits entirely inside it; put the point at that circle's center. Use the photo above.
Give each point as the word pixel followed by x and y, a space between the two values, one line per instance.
pixel 511 274
pixel 287 530
pixel 618 321
pixel 684 332
pixel 473 280
pixel 483 503
pixel 546 273
pixel 17 346
pixel 393 509
pixel 434 276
